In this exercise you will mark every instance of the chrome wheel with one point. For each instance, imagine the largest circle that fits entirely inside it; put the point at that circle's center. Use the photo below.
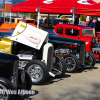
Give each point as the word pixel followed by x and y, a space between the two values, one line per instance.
pixel 3 93
pixel 36 72
pixel 88 61
pixel 71 63
pixel 22 64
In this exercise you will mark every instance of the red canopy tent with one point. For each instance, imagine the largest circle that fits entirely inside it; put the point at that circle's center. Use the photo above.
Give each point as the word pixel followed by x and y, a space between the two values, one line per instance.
pixel 83 7
pixel 58 6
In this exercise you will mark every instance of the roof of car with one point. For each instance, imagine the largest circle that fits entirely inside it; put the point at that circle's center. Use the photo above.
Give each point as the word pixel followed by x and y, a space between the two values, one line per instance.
pixel 77 26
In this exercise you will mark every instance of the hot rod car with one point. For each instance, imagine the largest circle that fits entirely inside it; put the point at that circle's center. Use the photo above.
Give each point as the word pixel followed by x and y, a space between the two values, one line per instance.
pixel 31 44
pixel 79 33
pixel 73 51
pixel 12 78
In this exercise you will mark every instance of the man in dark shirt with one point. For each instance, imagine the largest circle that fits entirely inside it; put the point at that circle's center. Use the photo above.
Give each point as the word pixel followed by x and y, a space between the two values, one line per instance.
pixel 93 25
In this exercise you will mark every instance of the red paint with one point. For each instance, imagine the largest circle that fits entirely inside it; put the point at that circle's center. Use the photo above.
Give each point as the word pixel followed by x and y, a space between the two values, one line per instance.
pixel 87 38
pixel 33 38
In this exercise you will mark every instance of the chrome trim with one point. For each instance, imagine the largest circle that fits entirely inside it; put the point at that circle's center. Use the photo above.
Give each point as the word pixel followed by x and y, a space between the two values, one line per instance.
pixel 13 81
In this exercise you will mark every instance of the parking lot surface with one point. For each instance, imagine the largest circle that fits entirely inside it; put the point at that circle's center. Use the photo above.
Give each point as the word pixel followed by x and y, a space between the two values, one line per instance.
pixel 83 85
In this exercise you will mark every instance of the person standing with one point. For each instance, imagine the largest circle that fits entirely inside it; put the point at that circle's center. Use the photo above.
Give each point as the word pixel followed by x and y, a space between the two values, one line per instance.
pixel 23 20
pixel 82 23
pixel 93 25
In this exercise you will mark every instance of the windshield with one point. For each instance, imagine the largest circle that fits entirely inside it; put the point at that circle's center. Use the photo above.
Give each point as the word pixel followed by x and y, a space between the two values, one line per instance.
pixel 87 32
pixel 50 31
pixel 4 33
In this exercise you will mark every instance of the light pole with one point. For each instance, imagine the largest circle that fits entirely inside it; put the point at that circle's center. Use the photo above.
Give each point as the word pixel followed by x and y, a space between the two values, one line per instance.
pixel 3 7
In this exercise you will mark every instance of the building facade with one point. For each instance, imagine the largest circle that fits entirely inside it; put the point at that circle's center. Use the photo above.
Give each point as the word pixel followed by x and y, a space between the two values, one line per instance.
pixel 7 7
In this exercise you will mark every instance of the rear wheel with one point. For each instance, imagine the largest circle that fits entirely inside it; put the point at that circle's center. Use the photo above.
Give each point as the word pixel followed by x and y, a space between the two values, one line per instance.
pixel 6 85
pixel 72 63
pixel 37 70
pixel 90 60
pixel 59 66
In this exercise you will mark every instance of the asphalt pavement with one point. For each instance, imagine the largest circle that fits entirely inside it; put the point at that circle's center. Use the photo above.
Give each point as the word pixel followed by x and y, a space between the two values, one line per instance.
pixel 83 85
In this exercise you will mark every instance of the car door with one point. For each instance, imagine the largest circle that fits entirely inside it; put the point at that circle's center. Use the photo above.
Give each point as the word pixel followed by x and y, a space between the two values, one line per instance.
pixel 72 33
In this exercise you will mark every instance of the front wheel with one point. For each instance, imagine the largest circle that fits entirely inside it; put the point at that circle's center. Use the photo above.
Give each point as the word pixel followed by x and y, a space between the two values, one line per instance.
pixel 6 85
pixel 37 70
pixel 72 63
pixel 59 66
pixel 90 60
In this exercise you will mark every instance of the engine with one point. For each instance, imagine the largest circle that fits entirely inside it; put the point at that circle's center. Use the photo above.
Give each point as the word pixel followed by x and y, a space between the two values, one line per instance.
pixel 64 49
pixel 96 49
pixel 95 46
pixel 25 52
pixel 94 42
pixel 62 52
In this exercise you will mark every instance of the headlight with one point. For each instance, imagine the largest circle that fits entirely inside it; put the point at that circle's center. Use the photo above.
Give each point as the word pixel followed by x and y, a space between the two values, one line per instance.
pixel 68 51
pixel 56 51
pixel 77 55
pixel 87 54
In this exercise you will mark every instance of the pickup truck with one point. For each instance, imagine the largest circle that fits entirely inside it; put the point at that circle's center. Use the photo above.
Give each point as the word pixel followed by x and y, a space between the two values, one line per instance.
pixel 80 33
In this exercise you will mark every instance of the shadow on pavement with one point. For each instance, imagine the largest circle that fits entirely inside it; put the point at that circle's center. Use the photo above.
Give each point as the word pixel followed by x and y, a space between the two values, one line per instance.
pixel 80 70
pixel 52 80
pixel 97 61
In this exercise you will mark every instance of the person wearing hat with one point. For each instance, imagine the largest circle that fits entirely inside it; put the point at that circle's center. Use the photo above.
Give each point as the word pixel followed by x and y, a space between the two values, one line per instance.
pixel 93 25
pixel 23 20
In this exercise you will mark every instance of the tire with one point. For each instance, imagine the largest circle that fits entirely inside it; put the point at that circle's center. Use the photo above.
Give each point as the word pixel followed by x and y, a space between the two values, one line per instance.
pixel 60 65
pixel 31 69
pixel 72 60
pixel 7 85
pixel 28 82
pixel 90 61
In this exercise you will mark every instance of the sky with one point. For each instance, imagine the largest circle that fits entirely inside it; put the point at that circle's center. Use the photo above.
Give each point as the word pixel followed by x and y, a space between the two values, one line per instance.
pixel 1 1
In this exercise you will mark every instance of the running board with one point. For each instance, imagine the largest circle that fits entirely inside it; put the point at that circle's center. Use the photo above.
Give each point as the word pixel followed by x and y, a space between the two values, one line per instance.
pixel 53 75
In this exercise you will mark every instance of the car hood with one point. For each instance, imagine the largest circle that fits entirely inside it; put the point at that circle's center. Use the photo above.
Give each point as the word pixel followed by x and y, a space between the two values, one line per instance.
pixel 87 38
pixel 54 38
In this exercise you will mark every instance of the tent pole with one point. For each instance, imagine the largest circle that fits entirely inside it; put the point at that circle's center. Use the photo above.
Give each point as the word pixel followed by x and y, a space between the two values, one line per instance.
pixel 48 21
pixel 74 14
pixel 10 17
pixel 38 16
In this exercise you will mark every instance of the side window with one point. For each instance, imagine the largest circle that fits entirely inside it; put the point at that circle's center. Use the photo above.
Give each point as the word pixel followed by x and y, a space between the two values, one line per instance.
pixel 72 32
pixel 60 31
